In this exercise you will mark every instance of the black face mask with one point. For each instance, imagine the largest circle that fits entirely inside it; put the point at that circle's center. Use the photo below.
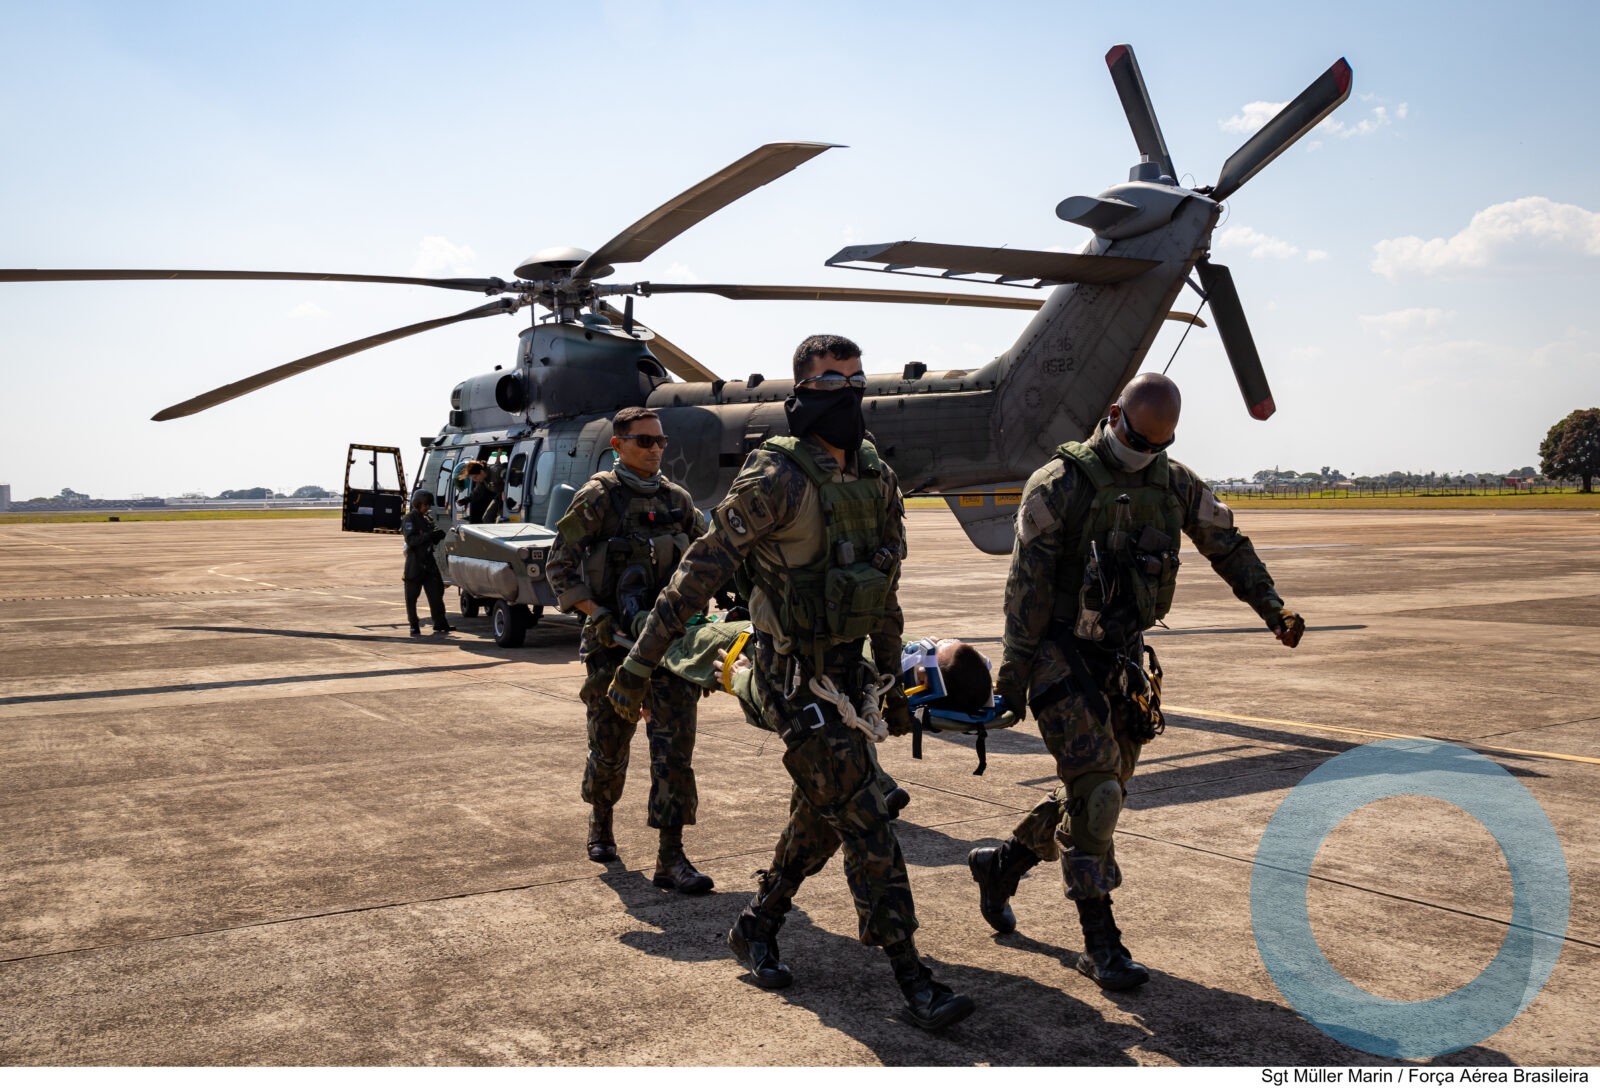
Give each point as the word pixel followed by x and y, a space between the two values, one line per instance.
pixel 834 417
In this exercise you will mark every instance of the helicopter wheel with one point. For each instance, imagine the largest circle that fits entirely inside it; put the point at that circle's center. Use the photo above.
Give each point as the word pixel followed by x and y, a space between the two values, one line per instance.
pixel 510 623
pixel 531 613
pixel 470 605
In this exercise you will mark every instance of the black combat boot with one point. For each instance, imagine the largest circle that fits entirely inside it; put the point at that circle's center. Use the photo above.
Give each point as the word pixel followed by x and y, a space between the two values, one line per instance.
pixel 675 871
pixel 1105 959
pixel 998 869
pixel 930 1005
pixel 754 937
pixel 602 847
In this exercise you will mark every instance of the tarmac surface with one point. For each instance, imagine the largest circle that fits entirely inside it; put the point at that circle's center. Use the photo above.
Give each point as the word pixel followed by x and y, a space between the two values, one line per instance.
pixel 245 820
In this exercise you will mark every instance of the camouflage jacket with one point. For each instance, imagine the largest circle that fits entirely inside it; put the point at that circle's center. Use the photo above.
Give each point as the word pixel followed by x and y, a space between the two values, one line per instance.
pixel 421 534
pixel 771 504
pixel 1050 518
pixel 592 518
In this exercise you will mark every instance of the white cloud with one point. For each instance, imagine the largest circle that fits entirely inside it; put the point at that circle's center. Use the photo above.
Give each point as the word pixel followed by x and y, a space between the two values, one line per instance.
pixel 1252 116
pixel 681 273
pixel 308 310
pixel 1256 114
pixel 1264 245
pixel 1514 232
pixel 1259 245
pixel 1406 322
pixel 438 256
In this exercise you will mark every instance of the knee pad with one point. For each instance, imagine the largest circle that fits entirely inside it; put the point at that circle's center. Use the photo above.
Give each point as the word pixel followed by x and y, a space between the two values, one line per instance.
pixel 1096 804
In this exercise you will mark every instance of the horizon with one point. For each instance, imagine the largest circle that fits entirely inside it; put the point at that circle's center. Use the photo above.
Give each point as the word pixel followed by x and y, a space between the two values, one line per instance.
pixel 1417 272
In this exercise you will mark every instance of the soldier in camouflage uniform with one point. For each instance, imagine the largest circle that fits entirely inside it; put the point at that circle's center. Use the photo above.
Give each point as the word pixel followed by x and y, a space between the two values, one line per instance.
pixel 422 569
pixel 813 529
pixel 1093 567
pixel 619 539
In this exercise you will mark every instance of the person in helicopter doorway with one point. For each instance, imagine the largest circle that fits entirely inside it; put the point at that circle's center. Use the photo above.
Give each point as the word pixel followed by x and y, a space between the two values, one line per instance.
pixel 422 569
pixel 483 494
pixel 616 545
pixel 1093 567
pixel 813 532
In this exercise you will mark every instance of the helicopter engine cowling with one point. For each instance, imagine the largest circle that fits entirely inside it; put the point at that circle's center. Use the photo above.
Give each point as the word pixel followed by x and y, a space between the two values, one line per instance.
pixel 583 366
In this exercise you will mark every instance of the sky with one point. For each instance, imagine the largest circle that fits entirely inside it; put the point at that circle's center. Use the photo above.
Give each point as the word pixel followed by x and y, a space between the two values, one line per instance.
pixel 1418 272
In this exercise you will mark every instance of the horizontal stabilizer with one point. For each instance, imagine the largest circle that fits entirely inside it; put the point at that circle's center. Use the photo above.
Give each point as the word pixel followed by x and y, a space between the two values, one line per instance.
pixel 1096 213
pixel 1014 267
pixel 988 515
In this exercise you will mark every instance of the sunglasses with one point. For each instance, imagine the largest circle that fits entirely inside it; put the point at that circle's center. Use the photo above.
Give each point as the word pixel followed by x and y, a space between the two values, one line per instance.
pixel 646 441
pixel 1137 442
pixel 831 381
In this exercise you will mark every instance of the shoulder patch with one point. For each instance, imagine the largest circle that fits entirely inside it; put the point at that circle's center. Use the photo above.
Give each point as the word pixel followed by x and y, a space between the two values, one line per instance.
pixel 1036 515
pixel 746 513
pixel 1213 512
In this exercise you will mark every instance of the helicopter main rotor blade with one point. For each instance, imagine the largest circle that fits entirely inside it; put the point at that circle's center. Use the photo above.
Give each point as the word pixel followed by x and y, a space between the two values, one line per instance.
pixel 1228 312
pixel 672 357
pixel 40 275
pixel 1136 104
pixel 299 366
pixel 751 292
pixel 766 163
pixel 1326 93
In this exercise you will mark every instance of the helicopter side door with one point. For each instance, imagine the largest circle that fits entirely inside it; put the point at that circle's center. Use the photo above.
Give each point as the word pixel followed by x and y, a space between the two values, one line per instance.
pixel 378 508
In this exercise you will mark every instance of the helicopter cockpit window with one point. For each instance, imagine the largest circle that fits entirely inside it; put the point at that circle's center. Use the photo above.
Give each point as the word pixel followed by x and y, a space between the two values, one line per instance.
pixel 442 488
pixel 516 476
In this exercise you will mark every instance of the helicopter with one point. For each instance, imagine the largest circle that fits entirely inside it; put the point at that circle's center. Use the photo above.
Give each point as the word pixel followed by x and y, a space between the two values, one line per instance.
pixel 970 437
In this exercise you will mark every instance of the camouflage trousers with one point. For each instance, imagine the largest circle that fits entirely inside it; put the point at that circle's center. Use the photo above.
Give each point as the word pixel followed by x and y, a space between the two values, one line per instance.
pixel 1082 745
pixel 671 706
pixel 838 798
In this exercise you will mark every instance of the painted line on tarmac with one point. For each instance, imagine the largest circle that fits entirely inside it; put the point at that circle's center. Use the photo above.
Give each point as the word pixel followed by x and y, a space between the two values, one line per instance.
pixel 1568 937
pixel 1226 716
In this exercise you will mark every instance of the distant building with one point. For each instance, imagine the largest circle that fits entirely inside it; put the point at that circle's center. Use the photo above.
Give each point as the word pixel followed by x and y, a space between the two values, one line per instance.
pixel 5 497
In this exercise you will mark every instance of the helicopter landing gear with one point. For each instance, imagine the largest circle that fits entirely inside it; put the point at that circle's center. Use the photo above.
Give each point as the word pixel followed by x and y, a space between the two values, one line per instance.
pixel 511 622
pixel 470 605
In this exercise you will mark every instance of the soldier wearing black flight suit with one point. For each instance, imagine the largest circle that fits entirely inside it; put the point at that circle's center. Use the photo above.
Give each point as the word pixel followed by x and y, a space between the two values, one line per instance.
pixel 422 569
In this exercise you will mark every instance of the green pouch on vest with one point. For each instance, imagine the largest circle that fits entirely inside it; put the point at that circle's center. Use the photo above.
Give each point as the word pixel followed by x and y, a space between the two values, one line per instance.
pixel 855 598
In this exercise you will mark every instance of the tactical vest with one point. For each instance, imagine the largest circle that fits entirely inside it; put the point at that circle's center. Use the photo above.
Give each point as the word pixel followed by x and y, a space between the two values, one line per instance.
pixel 1137 544
pixel 646 535
pixel 841 596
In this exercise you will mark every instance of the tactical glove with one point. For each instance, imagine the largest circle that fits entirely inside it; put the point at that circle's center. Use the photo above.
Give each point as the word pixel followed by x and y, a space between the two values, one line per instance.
pixel 897 712
pixel 438 535
pixel 603 627
pixel 1290 626
pixel 629 687
pixel 1012 685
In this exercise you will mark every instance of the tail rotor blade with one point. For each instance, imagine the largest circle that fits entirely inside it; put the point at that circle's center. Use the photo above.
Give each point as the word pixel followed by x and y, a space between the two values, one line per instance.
pixel 1228 313
pixel 1326 93
pixel 1136 104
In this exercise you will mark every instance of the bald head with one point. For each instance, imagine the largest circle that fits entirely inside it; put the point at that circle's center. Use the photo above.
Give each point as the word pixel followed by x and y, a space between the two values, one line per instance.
pixel 1151 404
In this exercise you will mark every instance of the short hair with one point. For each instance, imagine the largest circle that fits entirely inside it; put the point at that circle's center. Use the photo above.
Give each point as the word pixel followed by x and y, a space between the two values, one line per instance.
pixel 623 421
pixel 824 344
pixel 967 684
pixel 474 466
